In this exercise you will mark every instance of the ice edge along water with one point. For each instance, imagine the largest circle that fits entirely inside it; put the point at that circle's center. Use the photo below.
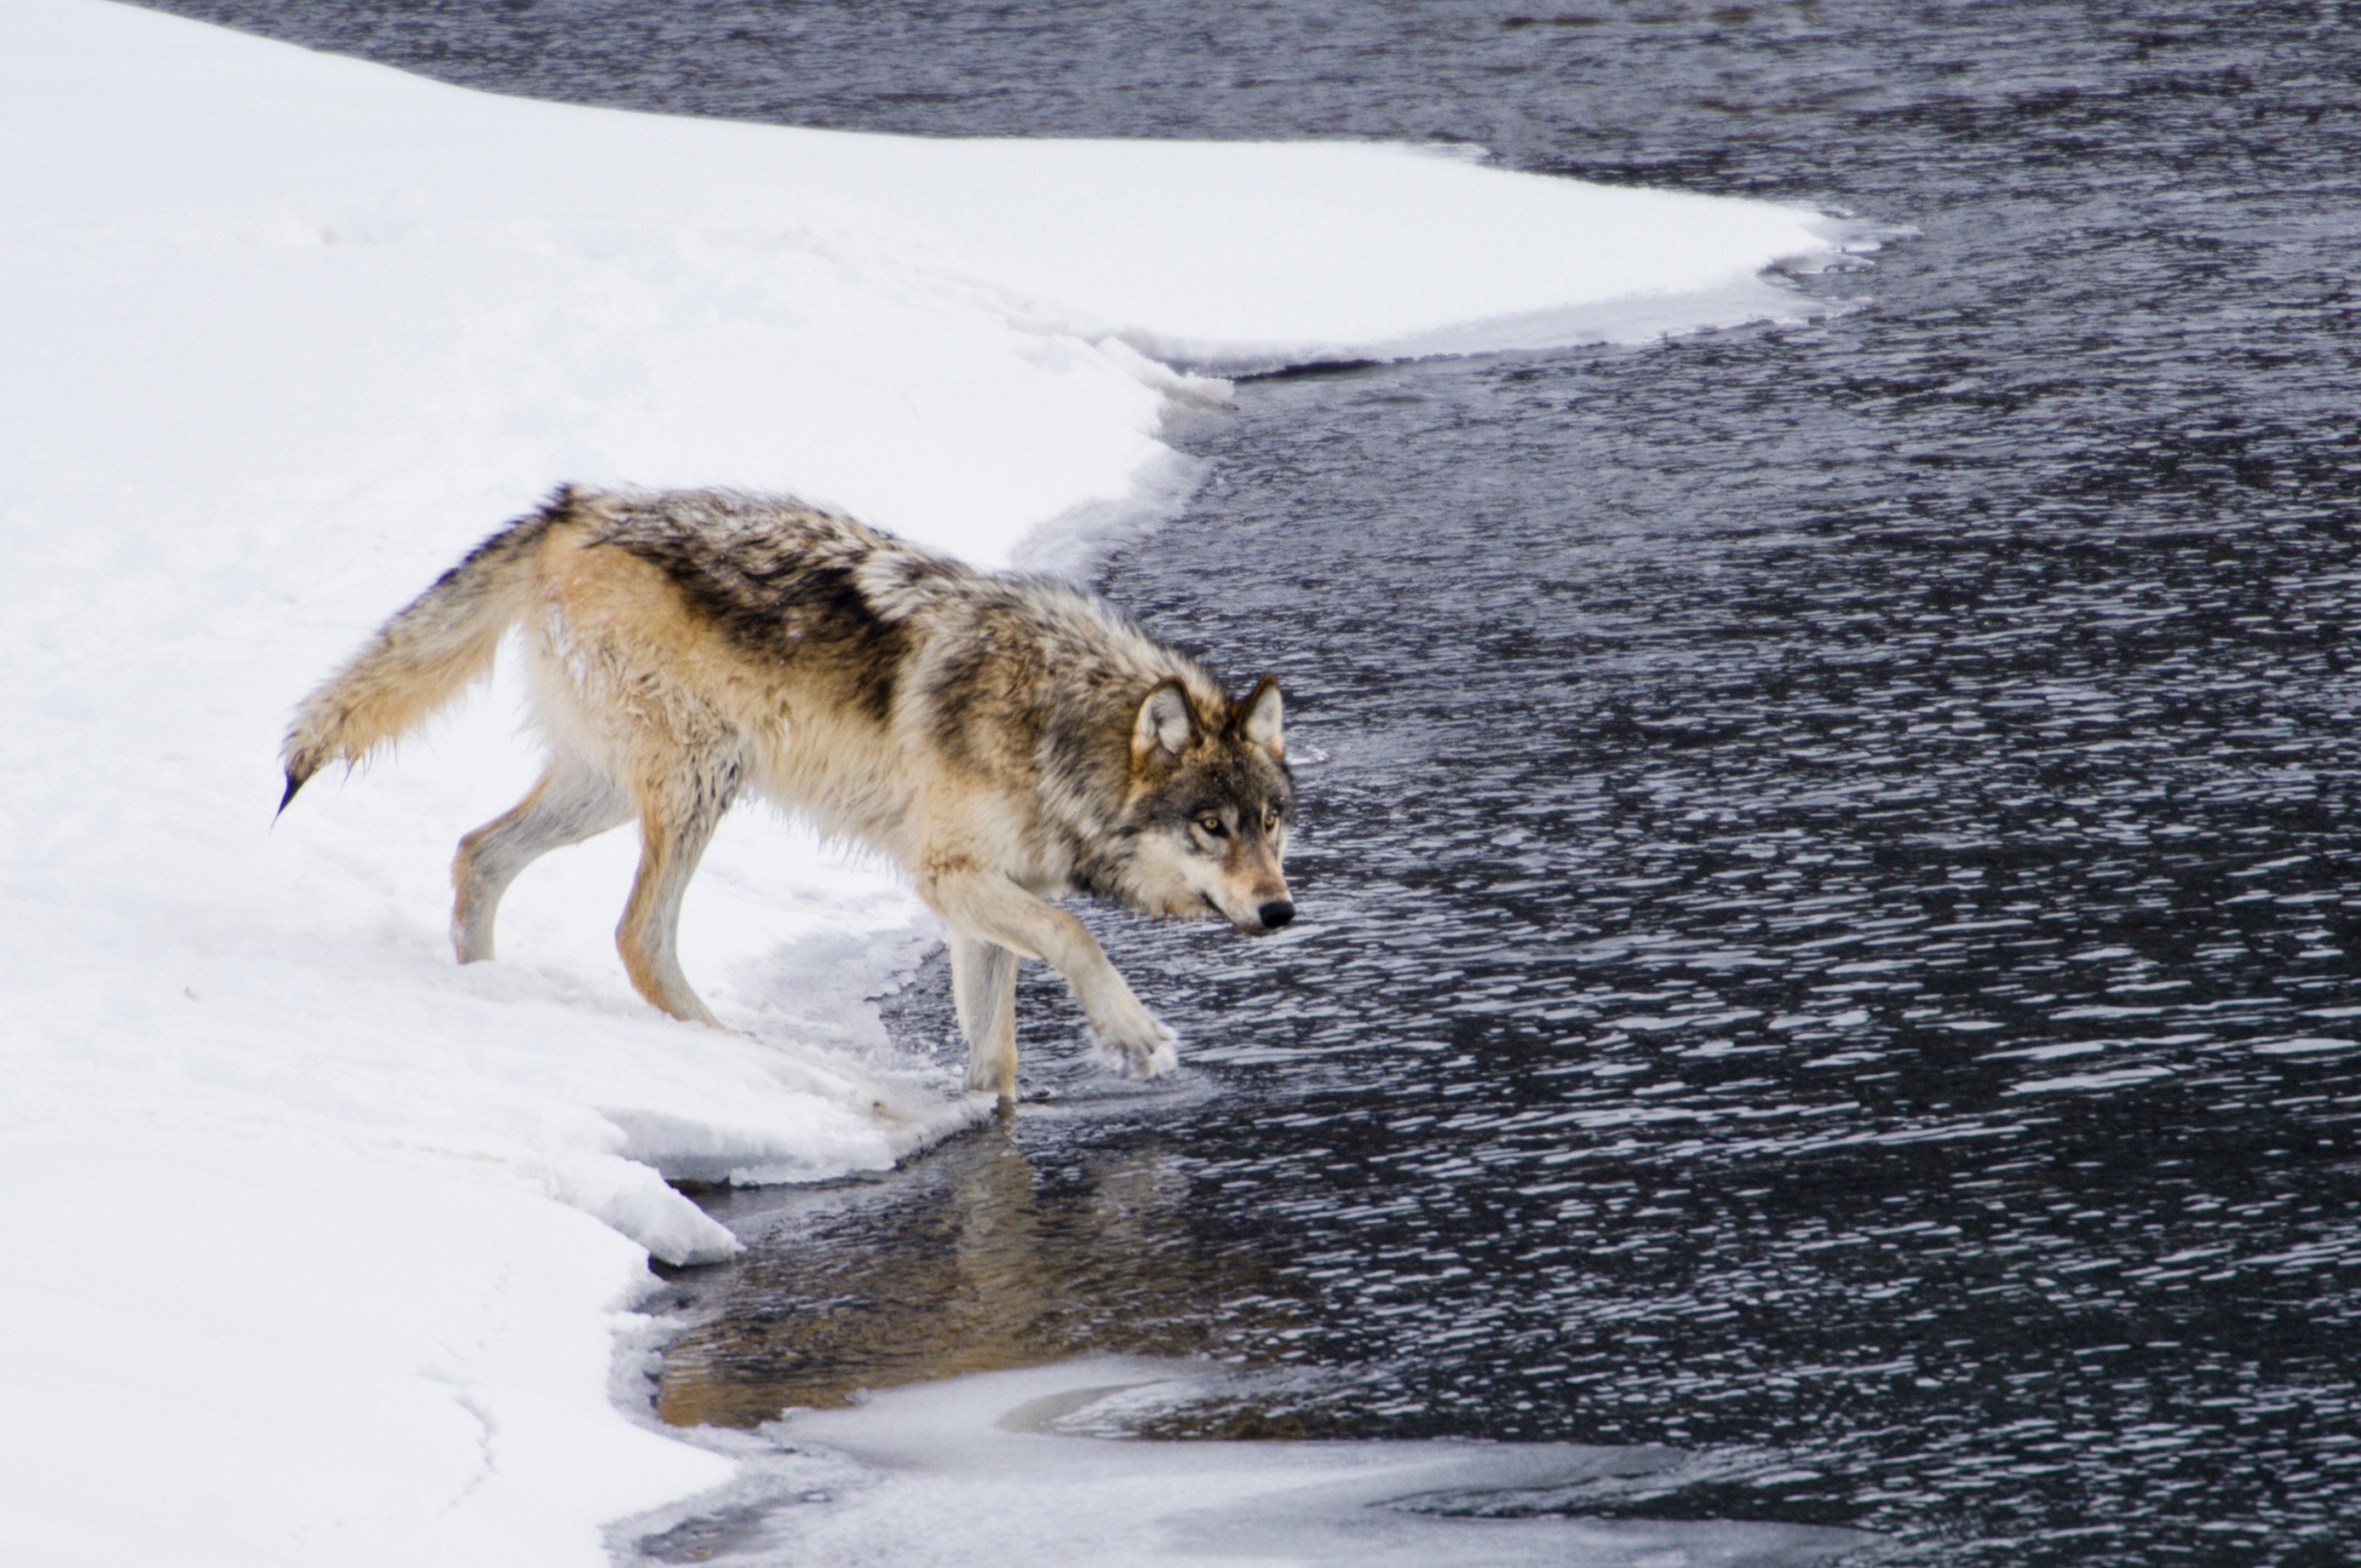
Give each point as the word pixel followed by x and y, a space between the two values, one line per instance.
pixel 317 1245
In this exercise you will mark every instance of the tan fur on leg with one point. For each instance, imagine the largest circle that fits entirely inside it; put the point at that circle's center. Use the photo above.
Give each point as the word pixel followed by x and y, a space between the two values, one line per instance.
pixel 649 935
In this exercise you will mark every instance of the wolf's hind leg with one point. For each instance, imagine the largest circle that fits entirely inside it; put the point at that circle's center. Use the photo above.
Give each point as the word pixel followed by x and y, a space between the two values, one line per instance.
pixel 983 994
pixel 671 844
pixel 573 801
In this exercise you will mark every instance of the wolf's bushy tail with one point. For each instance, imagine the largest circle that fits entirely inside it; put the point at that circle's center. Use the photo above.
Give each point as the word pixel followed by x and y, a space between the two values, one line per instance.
pixel 426 655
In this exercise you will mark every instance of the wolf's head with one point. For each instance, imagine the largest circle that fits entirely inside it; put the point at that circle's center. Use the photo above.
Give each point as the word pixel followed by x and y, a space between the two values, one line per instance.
pixel 1210 802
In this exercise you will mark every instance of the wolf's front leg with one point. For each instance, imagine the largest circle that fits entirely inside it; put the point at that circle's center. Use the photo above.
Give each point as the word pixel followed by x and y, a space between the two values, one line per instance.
pixel 983 994
pixel 989 907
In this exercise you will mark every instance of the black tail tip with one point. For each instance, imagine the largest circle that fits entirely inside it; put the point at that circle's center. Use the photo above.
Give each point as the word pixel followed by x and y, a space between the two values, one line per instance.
pixel 294 782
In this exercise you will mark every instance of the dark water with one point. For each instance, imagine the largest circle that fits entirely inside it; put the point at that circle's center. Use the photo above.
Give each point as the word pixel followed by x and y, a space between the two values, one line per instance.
pixel 1830 911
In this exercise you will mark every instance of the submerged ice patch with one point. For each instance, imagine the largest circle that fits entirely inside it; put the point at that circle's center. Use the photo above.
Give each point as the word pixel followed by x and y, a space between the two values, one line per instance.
pixel 1007 1468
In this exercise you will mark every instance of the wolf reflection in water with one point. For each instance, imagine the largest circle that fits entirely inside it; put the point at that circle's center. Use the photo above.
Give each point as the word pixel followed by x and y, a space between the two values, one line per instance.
pixel 997 1264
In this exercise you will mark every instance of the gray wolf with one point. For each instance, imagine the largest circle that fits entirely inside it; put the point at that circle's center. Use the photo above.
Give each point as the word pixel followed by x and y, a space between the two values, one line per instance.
pixel 1001 740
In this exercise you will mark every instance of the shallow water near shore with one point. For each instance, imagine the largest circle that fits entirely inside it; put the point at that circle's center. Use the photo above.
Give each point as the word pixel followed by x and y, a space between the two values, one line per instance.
pixel 1828 873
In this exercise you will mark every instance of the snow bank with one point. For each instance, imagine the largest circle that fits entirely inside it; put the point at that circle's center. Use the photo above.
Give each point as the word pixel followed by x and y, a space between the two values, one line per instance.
pixel 316 1244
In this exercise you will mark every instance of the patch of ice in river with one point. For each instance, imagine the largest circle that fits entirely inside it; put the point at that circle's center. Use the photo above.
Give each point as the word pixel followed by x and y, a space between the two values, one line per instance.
pixel 1030 1467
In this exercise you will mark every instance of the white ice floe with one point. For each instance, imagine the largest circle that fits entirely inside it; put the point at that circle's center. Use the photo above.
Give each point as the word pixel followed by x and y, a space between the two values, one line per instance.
pixel 316 1244
pixel 1002 1469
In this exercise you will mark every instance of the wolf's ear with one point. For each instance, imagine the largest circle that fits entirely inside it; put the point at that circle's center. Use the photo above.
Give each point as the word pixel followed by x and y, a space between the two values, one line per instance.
pixel 1164 727
pixel 1259 717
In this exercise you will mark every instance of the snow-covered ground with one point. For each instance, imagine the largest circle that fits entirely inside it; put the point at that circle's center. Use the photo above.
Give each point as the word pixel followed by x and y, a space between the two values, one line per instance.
pixel 314 1247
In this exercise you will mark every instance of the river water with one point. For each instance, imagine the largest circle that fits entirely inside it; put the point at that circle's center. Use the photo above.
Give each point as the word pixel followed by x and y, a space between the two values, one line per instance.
pixel 1828 868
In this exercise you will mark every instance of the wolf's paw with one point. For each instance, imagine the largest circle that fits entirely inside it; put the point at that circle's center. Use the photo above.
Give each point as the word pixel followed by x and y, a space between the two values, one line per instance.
pixel 1136 1042
pixel 1158 1061
pixel 987 1076
pixel 1164 1059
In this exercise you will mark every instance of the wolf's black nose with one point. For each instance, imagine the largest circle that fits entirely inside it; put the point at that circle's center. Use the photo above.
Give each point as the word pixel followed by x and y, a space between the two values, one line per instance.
pixel 1275 914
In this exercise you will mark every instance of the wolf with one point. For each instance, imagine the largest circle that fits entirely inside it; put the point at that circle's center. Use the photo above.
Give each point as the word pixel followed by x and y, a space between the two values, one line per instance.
pixel 1001 740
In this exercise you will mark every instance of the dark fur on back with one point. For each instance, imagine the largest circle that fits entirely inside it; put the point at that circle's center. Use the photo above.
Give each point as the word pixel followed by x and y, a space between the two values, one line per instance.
pixel 779 580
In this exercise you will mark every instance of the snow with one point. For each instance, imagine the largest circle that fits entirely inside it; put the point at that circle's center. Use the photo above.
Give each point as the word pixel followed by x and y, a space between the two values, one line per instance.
pixel 318 1247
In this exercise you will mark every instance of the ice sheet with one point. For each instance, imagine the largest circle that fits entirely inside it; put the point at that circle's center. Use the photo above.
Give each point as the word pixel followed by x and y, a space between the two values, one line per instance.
pixel 1008 1468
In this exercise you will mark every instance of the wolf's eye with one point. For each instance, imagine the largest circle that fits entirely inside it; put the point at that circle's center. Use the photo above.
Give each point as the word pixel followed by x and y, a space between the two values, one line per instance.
pixel 1270 815
pixel 1212 825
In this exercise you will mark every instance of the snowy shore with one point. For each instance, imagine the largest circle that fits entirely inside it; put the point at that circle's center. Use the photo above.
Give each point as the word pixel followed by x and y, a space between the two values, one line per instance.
pixel 317 1246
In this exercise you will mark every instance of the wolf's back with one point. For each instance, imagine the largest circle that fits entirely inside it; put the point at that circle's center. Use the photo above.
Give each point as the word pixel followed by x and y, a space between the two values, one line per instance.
pixel 426 655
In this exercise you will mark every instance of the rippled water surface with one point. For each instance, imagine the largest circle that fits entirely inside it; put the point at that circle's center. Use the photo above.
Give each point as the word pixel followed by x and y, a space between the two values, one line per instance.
pixel 1829 900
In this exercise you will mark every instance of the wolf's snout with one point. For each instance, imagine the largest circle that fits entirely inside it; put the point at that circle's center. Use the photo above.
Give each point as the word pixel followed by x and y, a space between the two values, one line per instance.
pixel 1275 914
